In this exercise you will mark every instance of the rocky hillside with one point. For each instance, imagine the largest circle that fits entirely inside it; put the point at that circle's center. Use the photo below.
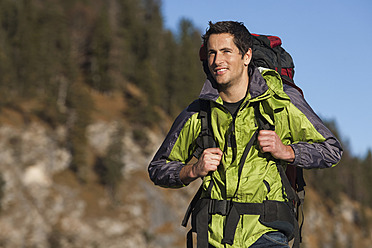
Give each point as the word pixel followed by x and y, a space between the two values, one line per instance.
pixel 43 204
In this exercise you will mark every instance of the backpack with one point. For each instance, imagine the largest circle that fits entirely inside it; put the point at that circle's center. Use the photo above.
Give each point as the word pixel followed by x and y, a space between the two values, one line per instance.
pixel 268 53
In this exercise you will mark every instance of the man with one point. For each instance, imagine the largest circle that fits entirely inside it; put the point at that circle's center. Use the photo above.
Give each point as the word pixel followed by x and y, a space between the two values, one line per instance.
pixel 236 90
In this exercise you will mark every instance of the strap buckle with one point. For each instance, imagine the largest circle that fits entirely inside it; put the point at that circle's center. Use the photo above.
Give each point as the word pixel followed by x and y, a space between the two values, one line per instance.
pixel 221 207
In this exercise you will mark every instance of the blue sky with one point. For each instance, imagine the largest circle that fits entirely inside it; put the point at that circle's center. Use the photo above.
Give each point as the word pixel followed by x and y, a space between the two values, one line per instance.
pixel 331 45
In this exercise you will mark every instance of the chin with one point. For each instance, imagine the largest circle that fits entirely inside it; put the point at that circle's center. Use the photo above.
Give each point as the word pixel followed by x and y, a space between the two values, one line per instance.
pixel 219 80
pixel 222 83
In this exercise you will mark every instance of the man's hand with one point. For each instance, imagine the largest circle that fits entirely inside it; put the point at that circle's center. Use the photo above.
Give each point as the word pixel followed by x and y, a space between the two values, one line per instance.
pixel 208 161
pixel 269 141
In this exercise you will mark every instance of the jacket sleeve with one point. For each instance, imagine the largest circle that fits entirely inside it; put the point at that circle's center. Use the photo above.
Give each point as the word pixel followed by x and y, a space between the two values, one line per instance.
pixel 314 154
pixel 175 151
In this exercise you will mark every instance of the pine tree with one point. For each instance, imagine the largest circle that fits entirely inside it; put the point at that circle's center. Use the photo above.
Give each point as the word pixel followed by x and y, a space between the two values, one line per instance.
pixel 191 76
pixel 109 168
pixel 97 66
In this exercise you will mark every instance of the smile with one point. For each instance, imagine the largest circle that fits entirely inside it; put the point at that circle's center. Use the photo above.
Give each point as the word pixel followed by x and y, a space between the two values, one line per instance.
pixel 222 70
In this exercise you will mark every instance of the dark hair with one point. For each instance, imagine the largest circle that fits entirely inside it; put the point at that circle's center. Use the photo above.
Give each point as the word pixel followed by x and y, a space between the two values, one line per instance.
pixel 242 37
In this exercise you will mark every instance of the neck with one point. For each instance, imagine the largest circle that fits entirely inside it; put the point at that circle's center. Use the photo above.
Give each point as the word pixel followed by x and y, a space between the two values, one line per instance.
pixel 233 93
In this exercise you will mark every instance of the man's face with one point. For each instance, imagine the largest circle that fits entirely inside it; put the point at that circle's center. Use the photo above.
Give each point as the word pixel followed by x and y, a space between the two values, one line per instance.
pixel 226 64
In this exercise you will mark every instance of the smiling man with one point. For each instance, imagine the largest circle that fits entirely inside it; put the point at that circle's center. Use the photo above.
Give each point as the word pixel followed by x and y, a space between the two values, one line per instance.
pixel 228 66
pixel 242 184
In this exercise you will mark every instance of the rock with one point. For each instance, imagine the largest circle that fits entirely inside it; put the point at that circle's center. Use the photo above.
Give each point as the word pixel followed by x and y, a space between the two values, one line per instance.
pixel 36 175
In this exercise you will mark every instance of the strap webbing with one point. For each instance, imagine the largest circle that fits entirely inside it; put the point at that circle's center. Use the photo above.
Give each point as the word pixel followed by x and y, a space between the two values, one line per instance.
pixel 206 128
pixel 192 205
pixel 244 157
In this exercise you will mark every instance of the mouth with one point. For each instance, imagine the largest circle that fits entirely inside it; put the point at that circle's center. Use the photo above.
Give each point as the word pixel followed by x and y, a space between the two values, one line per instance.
pixel 220 71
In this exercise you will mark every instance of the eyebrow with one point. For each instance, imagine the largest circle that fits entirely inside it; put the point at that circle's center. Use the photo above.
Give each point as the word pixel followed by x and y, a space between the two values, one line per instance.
pixel 226 49
pixel 222 49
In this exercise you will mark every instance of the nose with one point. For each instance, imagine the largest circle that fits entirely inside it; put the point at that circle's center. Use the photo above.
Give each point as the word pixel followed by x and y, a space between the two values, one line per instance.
pixel 217 58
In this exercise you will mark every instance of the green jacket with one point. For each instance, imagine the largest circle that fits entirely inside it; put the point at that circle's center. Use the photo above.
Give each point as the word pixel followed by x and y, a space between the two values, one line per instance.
pixel 296 125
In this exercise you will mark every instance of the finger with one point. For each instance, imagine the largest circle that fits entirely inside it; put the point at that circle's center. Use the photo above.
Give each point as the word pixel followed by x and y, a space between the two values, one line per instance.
pixel 213 159
pixel 213 155
pixel 266 149
pixel 212 167
pixel 266 145
pixel 214 150
pixel 262 137
pixel 265 132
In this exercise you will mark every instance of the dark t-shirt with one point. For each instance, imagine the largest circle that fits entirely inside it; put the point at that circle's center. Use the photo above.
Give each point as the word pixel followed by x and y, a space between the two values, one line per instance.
pixel 233 107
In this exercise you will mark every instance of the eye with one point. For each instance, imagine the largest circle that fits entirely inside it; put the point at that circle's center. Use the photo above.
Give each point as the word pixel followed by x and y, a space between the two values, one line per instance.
pixel 211 53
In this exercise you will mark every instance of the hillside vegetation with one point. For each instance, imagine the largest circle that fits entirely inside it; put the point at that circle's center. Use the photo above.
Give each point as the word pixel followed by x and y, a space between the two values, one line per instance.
pixel 55 54
pixel 70 65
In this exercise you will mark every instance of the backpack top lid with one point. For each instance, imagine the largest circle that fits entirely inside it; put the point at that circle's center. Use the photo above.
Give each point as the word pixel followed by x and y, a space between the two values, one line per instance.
pixel 271 40
pixel 269 53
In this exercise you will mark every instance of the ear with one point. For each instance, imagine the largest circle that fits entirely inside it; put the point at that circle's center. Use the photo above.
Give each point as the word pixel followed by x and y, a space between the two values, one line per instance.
pixel 247 57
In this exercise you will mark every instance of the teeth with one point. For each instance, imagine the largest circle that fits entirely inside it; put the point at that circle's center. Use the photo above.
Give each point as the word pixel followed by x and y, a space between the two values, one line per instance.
pixel 221 70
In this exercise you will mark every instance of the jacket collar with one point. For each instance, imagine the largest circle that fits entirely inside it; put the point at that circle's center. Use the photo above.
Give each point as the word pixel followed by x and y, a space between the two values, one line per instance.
pixel 257 86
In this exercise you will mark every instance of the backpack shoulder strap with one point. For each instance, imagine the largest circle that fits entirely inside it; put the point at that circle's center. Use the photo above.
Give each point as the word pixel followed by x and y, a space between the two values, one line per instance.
pixel 205 139
pixel 263 124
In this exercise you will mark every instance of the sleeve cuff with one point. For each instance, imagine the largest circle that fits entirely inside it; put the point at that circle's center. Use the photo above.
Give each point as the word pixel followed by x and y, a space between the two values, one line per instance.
pixel 177 177
pixel 297 153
